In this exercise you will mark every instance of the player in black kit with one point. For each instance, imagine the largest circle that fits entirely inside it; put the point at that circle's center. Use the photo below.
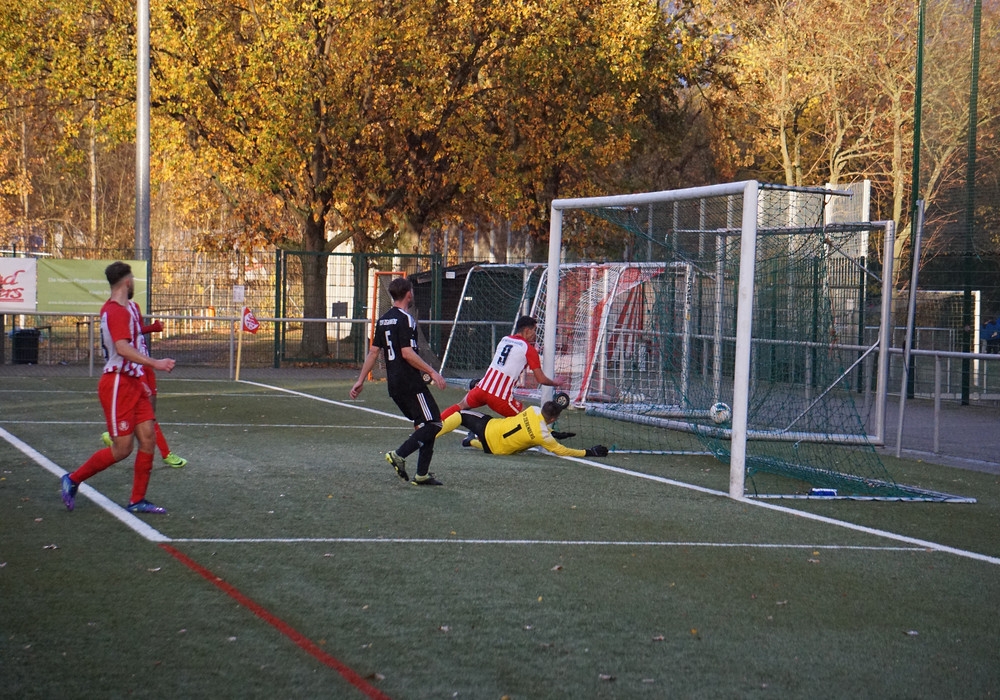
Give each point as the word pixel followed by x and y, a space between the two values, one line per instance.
pixel 396 338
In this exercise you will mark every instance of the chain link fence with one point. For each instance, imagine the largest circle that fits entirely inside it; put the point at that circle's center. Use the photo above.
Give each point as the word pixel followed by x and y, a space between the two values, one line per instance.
pixel 199 297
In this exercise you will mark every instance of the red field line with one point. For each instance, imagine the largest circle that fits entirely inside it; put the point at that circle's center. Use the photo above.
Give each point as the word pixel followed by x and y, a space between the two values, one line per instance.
pixel 297 637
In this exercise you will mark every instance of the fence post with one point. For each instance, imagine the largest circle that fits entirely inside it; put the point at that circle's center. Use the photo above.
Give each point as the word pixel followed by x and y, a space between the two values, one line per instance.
pixel 436 294
pixel 862 307
pixel 279 303
pixel 358 331
pixel 232 345
pixel 937 403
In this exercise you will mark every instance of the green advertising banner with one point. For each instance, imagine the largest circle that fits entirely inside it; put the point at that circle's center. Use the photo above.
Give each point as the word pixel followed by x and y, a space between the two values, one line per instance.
pixel 80 287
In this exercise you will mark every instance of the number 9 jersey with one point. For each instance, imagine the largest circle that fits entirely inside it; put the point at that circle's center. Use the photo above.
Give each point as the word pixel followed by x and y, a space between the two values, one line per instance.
pixel 512 355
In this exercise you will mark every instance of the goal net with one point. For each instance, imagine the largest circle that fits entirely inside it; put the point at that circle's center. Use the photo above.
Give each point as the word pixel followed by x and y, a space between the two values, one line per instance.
pixel 492 298
pixel 743 295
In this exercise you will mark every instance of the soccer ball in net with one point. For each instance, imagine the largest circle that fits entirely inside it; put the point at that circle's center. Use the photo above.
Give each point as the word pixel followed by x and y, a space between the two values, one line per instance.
pixel 720 413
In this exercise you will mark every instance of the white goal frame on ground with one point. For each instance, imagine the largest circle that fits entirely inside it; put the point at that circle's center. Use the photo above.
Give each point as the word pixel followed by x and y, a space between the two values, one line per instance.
pixel 749 190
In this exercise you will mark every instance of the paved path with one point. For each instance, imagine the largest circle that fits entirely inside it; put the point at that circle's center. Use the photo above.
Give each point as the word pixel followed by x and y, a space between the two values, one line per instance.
pixel 968 436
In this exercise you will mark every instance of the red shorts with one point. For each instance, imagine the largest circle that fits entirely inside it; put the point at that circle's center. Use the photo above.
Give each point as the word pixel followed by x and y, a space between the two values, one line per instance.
pixel 125 401
pixel 505 407
pixel 149 377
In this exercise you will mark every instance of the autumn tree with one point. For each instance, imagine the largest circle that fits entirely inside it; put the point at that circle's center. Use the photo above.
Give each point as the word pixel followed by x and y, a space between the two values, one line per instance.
pixel 367 120
pixel 68 79
pixel 945 131
pixel 589 113
pixel 825 93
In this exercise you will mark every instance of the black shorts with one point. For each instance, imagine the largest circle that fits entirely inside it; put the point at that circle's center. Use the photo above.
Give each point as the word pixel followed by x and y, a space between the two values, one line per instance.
pixel 419 407
pixel 476 422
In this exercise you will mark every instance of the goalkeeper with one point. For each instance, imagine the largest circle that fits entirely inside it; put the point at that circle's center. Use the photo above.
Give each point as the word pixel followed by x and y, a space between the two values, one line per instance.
pixel 507 436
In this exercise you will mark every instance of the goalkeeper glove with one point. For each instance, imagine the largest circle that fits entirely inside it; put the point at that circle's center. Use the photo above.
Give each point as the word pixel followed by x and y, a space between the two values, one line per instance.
pixel 597 451
pixel 154 327
pixel 559 435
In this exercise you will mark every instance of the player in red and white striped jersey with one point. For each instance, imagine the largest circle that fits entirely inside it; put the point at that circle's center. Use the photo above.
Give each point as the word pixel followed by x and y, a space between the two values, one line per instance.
pixel 149 377
pixel 124 395
pixel 496 388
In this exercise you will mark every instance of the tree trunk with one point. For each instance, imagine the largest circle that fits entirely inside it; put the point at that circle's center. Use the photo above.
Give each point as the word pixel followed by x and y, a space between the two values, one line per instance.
pixel 314 265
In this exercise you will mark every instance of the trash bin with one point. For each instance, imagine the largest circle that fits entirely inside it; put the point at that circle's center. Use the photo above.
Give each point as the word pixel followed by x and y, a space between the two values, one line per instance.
pixel 24 346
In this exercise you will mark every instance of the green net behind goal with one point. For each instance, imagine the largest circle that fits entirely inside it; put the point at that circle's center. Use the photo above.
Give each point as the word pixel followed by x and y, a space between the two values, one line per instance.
pixel 492 298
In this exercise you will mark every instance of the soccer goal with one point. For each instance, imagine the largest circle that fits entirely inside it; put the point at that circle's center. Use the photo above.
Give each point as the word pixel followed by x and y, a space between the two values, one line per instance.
pixel 739 314
pixel 493 296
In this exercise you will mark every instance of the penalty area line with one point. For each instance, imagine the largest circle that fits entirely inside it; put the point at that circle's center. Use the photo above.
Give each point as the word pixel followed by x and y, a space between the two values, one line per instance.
pixel 559 543
pixel 923 544
pixel 333 402
pixel 153 535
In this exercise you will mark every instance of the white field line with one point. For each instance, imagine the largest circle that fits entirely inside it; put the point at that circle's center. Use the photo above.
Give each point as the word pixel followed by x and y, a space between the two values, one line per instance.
pixel 342 404
pixel 155 536
pixel 35 392
pixel 560 543
pixel 132 522
pixel 924 544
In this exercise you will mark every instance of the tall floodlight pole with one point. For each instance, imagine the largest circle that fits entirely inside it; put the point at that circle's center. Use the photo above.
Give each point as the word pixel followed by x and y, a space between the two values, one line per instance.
pixel 970 204
pixel 918 89
pixel 142 249
pixel 918 98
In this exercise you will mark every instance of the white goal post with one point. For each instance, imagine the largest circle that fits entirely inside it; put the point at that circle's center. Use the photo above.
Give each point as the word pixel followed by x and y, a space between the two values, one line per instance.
pixel 750 229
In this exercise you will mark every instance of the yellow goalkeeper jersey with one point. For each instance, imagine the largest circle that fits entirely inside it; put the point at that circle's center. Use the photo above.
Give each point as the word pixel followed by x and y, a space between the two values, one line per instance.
pixel 527 429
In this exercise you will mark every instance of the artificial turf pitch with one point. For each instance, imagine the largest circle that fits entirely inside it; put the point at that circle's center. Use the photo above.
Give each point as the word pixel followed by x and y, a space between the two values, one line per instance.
pixel 294 563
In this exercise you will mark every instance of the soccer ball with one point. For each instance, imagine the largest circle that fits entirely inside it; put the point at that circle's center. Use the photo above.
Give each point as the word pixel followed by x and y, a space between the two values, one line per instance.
pixel 720 413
